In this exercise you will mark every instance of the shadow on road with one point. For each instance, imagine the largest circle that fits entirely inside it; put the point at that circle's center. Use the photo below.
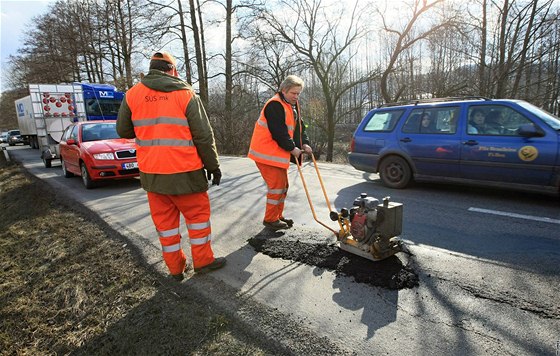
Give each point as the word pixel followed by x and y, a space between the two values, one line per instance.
pixel 390 274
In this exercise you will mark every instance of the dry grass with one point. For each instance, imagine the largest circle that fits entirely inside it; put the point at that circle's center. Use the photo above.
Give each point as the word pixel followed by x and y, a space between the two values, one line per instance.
pixel 69 285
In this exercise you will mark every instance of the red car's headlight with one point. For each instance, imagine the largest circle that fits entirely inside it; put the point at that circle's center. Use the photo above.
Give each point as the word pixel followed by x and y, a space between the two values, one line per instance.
pixel 104 156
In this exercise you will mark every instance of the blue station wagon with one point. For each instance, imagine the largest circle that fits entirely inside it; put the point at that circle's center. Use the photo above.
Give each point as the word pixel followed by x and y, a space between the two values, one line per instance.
pixel 477 141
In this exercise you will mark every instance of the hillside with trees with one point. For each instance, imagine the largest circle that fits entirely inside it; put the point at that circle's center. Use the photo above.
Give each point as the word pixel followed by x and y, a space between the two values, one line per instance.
pixel 352 55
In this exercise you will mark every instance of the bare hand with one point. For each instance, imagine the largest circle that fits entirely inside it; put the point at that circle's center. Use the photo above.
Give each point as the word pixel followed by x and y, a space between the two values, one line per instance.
pixel 296 152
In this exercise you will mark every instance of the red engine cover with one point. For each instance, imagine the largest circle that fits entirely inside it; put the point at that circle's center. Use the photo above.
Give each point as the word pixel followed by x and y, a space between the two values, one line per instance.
pixel 357 227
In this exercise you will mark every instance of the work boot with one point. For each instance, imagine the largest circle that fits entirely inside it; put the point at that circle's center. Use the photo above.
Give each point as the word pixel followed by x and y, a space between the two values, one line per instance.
pixel 275 225
pixel 217 264
pixel 178 277
pixel 289 222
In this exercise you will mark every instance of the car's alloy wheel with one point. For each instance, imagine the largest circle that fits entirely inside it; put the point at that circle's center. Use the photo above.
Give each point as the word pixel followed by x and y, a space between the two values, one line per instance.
pixel 64 170
pixel 395 172
pixel 88 183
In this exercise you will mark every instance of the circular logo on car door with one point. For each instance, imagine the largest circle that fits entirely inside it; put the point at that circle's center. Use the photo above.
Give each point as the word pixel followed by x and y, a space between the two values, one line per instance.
pixel 528 153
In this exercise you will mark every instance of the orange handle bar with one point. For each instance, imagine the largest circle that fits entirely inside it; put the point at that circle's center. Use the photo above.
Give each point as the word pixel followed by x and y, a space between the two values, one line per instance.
pixel 307 192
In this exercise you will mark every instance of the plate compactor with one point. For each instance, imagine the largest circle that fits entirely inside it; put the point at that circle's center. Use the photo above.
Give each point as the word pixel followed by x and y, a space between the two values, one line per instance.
pixel 369 229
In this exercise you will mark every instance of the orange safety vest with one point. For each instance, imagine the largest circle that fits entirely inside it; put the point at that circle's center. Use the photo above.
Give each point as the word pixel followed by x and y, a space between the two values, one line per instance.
pixel 164 142
pixel 263 148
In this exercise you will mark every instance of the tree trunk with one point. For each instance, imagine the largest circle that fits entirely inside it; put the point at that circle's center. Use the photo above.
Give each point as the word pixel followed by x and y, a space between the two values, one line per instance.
pixel 188 74
pixel 482 87
pixel 203 90
pixel 229 80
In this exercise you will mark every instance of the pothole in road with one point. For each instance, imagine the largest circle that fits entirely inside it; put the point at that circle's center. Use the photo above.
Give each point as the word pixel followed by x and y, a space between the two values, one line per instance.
pixel 317 251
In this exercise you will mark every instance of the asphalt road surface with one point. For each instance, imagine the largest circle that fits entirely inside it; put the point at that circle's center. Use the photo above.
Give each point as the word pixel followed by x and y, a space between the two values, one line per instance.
pixel 488 261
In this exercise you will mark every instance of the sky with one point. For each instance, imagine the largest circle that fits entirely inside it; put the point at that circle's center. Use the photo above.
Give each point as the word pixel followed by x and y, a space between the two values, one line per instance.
pixel 16 16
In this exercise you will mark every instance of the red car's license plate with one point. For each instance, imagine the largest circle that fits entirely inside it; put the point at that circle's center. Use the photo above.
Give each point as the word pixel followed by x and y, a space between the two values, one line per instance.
pixel 132 165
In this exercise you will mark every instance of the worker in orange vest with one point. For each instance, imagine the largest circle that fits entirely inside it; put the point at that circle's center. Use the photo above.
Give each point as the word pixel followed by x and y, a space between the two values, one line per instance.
pixel 177 155
pixel 278 138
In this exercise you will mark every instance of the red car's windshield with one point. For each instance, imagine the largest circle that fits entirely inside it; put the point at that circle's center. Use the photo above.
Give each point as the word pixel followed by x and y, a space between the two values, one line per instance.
pixel 96 132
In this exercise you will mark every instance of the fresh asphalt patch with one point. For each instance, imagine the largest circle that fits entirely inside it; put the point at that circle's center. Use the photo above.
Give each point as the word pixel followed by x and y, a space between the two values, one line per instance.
pixel 319 251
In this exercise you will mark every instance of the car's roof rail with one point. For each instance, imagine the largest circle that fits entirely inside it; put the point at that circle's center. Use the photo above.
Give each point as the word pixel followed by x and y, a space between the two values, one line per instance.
pixel 433 100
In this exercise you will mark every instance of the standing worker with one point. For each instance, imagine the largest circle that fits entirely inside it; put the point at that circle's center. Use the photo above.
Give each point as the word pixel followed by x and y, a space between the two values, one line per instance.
pixel 175 145
pixel 279 134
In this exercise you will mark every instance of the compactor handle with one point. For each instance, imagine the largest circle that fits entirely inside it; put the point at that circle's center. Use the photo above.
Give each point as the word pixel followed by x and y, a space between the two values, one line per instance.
pixel 309 197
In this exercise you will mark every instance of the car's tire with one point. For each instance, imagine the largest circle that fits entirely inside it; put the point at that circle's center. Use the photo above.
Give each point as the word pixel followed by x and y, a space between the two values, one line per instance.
pixel 64 170
pixel 47 162
pixel 86 179
pixel 395 172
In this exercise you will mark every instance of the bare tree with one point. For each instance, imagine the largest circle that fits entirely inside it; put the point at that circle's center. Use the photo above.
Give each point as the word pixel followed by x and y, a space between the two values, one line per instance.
pixel 174 27
pixel 520 30
pixel 198 32
pixel 448 55
pixel 506 48
pixel 324 44
pixel 406 37
pixel 483 44
pixel 8 118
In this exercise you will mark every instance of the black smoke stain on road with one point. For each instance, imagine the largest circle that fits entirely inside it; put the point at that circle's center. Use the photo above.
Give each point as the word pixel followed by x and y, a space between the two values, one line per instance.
pixel 389 273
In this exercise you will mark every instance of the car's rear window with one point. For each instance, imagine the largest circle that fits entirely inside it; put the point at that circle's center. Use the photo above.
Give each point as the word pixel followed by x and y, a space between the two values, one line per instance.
pixel 382 121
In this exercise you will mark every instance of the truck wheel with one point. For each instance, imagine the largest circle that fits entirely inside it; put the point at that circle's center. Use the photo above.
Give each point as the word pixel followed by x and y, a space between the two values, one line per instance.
pixel 65 171
pixel 47 162
pixel 395 172
pixel 88 183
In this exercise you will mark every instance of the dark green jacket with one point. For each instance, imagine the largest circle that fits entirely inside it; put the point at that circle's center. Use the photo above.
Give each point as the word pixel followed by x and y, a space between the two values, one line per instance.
pixel 202 134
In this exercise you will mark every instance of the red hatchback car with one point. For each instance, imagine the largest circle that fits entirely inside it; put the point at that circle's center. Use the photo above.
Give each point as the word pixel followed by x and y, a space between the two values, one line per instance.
pixel 94 151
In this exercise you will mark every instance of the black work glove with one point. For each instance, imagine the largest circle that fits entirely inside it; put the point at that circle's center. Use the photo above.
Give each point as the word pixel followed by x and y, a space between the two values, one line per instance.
pixel 215 176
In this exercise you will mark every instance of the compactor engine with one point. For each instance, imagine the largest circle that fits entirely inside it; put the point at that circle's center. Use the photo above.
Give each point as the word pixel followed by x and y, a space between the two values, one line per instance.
pixel 370 228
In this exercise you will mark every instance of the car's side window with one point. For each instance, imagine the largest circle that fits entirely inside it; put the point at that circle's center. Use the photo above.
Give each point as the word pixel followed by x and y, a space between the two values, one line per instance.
pixel 495 120
pixel 383 121
pixel 66 134
pixel 432 121
pixel 74 134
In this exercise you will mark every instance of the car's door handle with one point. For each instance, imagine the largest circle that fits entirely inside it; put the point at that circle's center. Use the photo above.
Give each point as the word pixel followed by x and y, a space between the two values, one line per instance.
pixel 406 139
pixel 470 143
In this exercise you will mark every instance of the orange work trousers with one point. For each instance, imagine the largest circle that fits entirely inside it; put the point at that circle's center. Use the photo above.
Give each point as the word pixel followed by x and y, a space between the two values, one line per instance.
pixel 276 180
pixel 195 207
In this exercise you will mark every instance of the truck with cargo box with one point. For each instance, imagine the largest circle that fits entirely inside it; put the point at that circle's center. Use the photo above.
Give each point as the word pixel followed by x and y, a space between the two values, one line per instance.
pixel 50 108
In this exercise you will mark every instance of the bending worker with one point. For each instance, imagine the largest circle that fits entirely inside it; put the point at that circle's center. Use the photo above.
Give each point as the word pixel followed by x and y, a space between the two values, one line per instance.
pixel 175 145
pixel 279 137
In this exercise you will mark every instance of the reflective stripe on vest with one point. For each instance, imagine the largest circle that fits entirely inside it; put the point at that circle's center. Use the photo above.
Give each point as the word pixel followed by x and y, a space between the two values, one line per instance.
pixel 263 148
pixel 164 142
pixel 163 136
pixel 268 158
pixel 162 120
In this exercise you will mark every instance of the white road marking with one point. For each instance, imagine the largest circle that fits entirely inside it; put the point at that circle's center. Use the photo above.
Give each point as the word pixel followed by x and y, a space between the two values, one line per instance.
pixel 514 215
